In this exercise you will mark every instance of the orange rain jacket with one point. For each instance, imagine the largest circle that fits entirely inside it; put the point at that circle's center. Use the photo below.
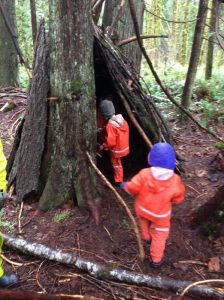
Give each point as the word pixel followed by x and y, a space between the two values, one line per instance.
pixel 117 136
pixel 154 197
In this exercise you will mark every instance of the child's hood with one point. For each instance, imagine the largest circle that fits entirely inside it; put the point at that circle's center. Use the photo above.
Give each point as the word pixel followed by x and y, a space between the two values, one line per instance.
pixel 160 179
pixel 118 121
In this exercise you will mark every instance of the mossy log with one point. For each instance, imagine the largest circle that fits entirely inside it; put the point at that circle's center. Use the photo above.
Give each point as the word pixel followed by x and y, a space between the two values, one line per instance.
pixel 108 272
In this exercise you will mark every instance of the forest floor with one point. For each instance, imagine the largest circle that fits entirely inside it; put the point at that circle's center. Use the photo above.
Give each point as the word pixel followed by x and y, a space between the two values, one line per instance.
pixel 189 254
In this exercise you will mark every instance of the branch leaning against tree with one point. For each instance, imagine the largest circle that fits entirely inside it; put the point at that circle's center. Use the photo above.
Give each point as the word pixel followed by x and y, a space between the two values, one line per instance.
pixel 122 202
pixel 164 89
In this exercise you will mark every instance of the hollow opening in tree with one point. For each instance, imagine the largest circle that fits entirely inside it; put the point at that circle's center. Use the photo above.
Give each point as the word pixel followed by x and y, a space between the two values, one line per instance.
pixel 106 89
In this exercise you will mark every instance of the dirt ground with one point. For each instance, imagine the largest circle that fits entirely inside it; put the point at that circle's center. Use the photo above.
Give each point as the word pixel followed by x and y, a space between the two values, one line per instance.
pixel 189 254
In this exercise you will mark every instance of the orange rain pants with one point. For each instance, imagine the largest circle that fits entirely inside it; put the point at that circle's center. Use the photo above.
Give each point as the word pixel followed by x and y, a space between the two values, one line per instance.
pixel 157 236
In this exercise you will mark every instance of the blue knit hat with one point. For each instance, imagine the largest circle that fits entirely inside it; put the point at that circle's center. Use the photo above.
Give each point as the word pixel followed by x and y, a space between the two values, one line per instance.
pixel 162 155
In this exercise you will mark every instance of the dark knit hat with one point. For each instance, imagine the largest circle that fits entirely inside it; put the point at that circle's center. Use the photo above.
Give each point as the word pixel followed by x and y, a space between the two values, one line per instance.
pixel 162 155
pixel 107 108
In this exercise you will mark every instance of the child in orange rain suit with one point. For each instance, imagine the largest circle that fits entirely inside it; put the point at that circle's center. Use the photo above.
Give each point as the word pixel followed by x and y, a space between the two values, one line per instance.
pixel 155 189
pixel 116 138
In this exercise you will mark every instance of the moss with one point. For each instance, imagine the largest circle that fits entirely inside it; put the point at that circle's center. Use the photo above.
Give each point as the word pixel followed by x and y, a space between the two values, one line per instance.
pixel 76 86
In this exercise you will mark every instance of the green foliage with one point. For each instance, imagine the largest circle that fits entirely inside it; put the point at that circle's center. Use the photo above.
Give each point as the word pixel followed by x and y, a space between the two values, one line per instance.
pixel 61 216
pixel 219 145
pixel 209 111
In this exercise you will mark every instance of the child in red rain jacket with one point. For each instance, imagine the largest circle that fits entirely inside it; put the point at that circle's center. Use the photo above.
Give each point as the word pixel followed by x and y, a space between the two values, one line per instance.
pixel 155 189
pixel 116 137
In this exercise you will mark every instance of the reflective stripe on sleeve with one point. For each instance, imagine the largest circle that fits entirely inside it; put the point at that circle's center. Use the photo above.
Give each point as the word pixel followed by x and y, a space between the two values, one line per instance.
pixel 152 213
pixel 116 166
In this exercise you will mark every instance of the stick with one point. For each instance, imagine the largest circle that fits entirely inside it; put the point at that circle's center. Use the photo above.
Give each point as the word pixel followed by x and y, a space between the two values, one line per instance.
pixel 106 271
pixel 195 262
pixel 19 217
pixel 121 201
pixel 135 122
pixel 197 283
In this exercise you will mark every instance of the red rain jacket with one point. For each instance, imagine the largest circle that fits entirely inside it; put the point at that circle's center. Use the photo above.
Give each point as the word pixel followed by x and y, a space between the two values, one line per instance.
pixel 154 197
pixel 117 136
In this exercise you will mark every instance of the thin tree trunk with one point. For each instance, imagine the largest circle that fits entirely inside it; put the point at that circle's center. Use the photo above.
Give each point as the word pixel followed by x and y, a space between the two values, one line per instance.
pixel 8 54
pixel 195 54
pixel 33 19
pixel 211 44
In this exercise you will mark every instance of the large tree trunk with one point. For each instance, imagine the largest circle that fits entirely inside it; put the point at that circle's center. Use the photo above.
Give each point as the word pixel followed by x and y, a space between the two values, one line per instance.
pixel 72 117
pixel 124 27
pixel 51 161
pixel 195 54
pixel 8 55
pixel 209 62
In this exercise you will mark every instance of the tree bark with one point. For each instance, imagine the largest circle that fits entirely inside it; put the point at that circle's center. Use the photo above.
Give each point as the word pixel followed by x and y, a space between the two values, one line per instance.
pixel 8 54
pixel 195 54
pixel 124 27
pixel 26 166
pixel 72 117
pixel 108 272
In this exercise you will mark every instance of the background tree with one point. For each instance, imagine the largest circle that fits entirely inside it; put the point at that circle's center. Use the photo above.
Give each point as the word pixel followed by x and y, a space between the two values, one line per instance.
pixel 123 26
pixel 33 19
pixel 8 54
pixel 195 54
pixel 211 41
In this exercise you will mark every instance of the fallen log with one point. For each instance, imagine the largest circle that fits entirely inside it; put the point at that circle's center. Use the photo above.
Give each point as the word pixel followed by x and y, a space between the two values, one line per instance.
pixel 109 272
pixel 26 295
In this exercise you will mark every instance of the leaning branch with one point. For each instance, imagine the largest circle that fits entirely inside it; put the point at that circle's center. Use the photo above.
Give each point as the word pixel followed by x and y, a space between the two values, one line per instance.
pixel 121 201
pixel 164 89
pixel 106 271
pixel 135 122
pixel 143 36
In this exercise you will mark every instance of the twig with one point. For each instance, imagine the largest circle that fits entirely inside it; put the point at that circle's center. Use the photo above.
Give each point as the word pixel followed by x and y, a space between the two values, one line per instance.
pixel 19 217
pixel 193 188
pixel 121 201
pixel 108 233
pixel 16 263
pixel 197 283
pixel 192 262
pixel 170 21
pixel 39 284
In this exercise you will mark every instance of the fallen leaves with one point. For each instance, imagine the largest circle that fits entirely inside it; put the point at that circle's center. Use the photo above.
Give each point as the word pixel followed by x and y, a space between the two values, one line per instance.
pixel 214 264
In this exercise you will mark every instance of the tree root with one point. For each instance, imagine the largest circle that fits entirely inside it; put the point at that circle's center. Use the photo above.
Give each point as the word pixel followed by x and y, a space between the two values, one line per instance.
pixel 109 272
